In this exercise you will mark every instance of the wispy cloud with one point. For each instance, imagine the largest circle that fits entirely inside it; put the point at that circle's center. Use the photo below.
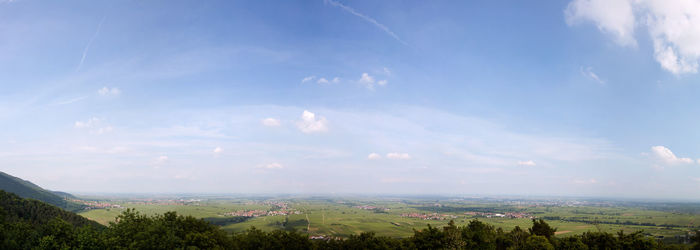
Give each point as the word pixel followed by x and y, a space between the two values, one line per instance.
pixel 273 165
pixel 527 163
pixel 105 91
pixel 87 47
pixel 588 72
pixel 95 125
pixel 374 156
pixel 218 150
pixel 69 101
pixel 308 79
pixel 369 81
pixel 366 18
pixel 398 156
pixel 271 122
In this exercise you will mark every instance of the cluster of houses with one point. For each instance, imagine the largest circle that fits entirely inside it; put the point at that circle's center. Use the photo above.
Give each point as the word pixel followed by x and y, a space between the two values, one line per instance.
pixel 500 215
pixel 368 207
pixel 323 237
pixel 433 216
pixel 96 204
pixel 180 202
pixel 258 213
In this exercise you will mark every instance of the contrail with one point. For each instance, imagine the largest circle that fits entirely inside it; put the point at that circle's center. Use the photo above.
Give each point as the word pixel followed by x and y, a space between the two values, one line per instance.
pixel 77 99
pixel 367 18
pixel 85 51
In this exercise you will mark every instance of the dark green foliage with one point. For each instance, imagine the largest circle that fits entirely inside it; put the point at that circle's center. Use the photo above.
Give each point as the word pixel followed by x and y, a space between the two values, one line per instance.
pixel 219 221
pixel 168 231
pixel 37 213
pixel 479 235
pixel 429 238
pixel 517 237
pixel 541 228
pixel 34 228
pixel 635 240
pixel 599 240
pixel 26 189
pixel 571 242
pixel 537 242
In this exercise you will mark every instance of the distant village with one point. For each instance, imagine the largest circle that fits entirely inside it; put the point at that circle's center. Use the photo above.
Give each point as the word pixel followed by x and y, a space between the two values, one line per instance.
pixel 433 216
pixel 95 204
pixel 374 208
pixel 500 215
pixel 437 216
pixel 278 208
pixel 259 213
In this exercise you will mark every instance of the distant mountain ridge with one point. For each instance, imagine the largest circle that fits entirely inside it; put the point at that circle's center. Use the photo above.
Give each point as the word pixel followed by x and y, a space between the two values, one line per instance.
pixel 26 189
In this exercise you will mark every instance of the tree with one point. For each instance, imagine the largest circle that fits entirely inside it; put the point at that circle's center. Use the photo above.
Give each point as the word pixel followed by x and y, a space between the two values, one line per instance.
pixel 429 238
pixel 479 235
pixel 599 240
pixel 518 236
pixel 453 236
pixel 537 242
pixel 541 228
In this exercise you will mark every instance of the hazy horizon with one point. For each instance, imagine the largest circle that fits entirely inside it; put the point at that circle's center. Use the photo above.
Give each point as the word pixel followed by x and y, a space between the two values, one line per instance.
pixel 559 98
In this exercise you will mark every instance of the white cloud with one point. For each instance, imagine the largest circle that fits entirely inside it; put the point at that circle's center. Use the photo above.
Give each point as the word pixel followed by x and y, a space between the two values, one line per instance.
pixel 615 17
pixel 271 122
pixel 369 81
pixel 589 181
pixel 398 156
pixel 218 150
pixel 322 81
pixel 527 163
pixel 161 159
pixel 664 156
pixel 95 125
pixel 588 72
pixel 89 123
pixel 308 79
pixel 102 130
pixel 374 156
pixel 674 27
pixel 106 91
pixel 273 165
pixel 366 18
pixel 310 124
pixel 366 79
pixel 336 80
pixel 387 71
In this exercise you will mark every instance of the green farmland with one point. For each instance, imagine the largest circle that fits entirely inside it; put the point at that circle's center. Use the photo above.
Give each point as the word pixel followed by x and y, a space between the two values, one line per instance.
pixel 341 217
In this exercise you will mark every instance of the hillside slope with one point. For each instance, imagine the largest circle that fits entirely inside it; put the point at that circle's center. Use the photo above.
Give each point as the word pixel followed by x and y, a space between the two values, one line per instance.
pixel 26 189
pixel 17 209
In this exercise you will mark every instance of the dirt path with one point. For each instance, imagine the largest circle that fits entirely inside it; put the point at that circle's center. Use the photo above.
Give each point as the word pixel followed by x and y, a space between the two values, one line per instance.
pixel 308 226
pixel 561 232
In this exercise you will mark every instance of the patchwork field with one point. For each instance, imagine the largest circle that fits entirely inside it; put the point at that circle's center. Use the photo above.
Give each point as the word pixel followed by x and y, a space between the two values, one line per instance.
pixel 399 217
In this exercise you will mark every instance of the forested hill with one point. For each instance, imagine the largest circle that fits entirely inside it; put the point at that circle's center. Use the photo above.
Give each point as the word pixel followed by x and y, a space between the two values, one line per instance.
pixel 26 189
pixel 33 212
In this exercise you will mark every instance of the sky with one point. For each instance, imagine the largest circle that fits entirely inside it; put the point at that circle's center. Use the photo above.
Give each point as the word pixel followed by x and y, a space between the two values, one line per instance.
pixel 566 98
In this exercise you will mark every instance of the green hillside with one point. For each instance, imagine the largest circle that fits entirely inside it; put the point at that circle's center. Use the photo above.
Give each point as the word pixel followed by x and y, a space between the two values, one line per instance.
pixel 26 189
pixel 17 209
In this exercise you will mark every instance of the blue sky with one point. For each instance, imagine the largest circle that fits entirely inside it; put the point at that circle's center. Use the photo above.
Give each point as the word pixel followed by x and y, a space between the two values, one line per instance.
pixel 582 97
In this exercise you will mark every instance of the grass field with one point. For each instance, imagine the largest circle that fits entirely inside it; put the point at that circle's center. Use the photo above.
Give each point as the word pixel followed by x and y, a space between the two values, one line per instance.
pixel 341 218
